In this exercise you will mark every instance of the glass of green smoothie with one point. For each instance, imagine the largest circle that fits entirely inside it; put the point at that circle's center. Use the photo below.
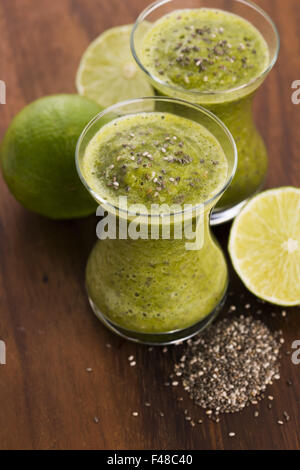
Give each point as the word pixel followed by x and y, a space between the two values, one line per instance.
pixel 157 167
pixel 215 53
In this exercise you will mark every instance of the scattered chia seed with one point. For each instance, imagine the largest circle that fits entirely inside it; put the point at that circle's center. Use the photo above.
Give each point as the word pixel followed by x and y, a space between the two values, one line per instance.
pixel 230 365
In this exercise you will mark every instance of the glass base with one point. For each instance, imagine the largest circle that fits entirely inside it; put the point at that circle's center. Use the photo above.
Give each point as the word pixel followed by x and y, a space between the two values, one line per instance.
pixel 221 216
pixel 160 339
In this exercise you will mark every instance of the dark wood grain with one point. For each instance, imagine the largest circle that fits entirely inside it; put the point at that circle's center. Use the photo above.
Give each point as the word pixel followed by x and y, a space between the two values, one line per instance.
pixel 48 400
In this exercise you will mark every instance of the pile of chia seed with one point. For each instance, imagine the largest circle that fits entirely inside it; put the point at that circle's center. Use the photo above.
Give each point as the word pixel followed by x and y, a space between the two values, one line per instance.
pixel 230 365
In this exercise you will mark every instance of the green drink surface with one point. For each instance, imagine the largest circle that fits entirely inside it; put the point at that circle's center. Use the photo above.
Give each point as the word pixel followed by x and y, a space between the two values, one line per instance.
pixel 205 50
pixel 156 158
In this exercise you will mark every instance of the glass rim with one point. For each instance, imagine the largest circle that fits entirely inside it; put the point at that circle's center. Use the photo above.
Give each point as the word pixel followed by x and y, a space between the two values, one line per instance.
pixel 181 102
pixel 153 6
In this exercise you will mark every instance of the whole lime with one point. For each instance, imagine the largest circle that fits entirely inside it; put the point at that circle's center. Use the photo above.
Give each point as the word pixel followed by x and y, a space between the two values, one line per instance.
pixel 38 156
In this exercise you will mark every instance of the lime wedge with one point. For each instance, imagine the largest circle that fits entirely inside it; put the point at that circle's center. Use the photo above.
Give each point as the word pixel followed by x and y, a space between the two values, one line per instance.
pixel 264 246
pixel 108 73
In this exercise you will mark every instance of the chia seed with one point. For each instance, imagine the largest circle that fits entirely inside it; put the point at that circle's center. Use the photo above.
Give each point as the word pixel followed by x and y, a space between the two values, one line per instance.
pixel 230 365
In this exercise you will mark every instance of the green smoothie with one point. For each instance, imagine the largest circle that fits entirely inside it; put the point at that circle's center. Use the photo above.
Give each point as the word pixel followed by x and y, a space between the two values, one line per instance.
pixel 155 286
pixel 155 158
pixel 209 55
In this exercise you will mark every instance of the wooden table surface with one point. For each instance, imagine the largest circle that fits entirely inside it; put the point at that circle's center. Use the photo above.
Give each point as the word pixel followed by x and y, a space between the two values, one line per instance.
pixel 47 399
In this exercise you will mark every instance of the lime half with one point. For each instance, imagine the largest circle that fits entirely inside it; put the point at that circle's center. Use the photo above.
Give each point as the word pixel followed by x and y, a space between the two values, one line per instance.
pixel 264 246
pixel 108 73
